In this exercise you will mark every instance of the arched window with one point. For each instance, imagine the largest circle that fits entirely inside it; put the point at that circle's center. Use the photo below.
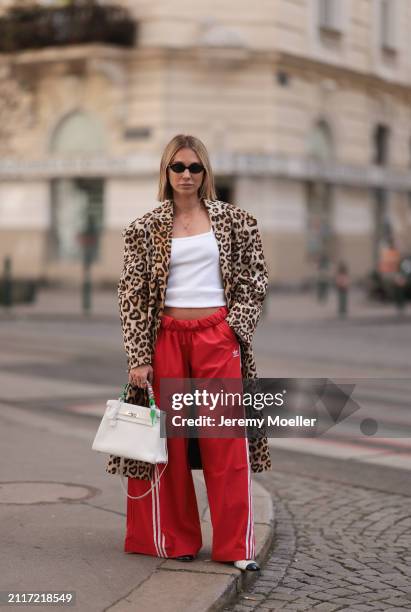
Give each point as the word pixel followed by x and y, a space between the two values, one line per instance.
pixel 77 202
pixel 78 133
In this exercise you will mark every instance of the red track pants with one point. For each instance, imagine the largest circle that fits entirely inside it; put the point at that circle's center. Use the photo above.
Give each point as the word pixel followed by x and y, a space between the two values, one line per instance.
pixel 166 522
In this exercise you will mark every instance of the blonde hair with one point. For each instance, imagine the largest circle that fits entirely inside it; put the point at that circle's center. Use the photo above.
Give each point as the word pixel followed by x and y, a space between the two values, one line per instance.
pixel 207 189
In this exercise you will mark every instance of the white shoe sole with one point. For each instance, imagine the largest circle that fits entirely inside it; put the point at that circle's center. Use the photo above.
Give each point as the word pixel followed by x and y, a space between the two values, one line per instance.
pixel 247 565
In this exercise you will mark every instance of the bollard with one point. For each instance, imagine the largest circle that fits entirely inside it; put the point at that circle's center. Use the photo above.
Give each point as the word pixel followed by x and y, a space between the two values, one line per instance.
pixel 342 301
pixel 342 284
pixel 88 240
pixel 7 283
pixel 86 291
pixel 323 281
pixel 322 290
pixel 399 292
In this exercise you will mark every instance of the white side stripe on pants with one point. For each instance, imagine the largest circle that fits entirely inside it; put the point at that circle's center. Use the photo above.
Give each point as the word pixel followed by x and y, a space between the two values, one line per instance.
pixel 250 547
pixel 159 539
pixel 250 539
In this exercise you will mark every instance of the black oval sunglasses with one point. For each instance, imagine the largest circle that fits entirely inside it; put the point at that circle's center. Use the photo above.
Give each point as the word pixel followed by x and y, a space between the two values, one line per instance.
pixel 179 167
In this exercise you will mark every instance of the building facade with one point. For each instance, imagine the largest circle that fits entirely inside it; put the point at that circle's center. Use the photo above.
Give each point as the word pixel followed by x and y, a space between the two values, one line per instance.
pixel 304 106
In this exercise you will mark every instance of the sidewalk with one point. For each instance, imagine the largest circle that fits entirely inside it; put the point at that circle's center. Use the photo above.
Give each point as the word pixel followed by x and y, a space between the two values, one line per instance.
pixel 66 304
pixel 70 536
pixel 63 525
pixel 296 307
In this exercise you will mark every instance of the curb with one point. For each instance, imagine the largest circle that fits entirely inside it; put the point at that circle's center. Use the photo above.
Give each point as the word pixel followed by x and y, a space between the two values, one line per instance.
pixel 202 585
pixel 62 317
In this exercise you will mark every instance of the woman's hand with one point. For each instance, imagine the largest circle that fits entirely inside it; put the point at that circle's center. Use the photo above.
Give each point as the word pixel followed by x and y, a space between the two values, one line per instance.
pixel 138 376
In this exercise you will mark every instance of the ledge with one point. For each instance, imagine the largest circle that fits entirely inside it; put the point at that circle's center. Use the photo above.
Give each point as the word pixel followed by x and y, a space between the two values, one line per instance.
pixel 66 54
pixel 225 164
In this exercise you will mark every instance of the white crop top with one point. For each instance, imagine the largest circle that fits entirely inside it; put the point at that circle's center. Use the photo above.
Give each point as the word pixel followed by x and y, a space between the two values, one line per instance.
pixel 195 278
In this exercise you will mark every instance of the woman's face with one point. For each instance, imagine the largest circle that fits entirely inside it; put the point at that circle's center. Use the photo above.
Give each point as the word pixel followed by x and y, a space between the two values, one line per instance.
pixel 187 183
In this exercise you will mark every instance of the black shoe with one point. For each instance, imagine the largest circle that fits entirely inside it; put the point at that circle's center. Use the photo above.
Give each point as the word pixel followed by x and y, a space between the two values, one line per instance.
pixel 184 558
pixel 247 565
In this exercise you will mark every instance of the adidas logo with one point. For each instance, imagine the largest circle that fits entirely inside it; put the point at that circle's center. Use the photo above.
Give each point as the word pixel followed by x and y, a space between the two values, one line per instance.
pixel 236 353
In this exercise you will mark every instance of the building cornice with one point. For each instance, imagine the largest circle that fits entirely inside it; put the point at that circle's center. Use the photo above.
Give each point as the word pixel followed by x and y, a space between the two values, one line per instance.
pixel 224 164
pixel 312 69
pixel 304 67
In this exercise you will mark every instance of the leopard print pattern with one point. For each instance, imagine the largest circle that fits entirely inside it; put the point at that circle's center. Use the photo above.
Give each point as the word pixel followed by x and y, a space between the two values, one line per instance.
pixel 141 296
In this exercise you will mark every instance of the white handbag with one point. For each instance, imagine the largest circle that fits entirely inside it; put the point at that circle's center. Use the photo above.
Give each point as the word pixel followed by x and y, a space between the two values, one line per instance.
pixel 132 431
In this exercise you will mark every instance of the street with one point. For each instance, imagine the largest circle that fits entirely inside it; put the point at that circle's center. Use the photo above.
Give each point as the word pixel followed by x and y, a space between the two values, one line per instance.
pixel 342 502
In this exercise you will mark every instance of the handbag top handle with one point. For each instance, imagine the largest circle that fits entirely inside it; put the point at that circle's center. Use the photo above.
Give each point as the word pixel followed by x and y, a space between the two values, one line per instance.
pixel 151 399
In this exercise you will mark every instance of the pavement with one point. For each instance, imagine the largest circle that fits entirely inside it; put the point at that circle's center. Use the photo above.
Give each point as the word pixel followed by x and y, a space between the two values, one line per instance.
pixel 63 517
pixel 342 540
pixel 279 306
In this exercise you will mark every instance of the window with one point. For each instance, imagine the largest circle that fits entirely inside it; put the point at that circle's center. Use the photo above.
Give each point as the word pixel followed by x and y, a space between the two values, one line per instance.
pixel 320 243
pixel 76 218
pixel 381 143
pixel 78 133
pixel 329 14
pixel 387 24
pixel 77 203
pixel 319 142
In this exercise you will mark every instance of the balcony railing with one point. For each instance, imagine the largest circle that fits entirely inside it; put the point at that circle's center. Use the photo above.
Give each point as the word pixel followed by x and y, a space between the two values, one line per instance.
pixel 79 23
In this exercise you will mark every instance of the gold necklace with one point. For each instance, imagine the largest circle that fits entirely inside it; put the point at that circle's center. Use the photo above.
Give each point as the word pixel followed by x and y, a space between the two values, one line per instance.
pixel 187 224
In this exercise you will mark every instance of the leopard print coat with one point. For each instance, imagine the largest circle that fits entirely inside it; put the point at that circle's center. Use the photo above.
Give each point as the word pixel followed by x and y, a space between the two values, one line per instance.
pixel 142 288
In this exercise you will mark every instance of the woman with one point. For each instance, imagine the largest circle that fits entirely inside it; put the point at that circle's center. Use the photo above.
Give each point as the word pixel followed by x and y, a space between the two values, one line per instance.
pixel 191 295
